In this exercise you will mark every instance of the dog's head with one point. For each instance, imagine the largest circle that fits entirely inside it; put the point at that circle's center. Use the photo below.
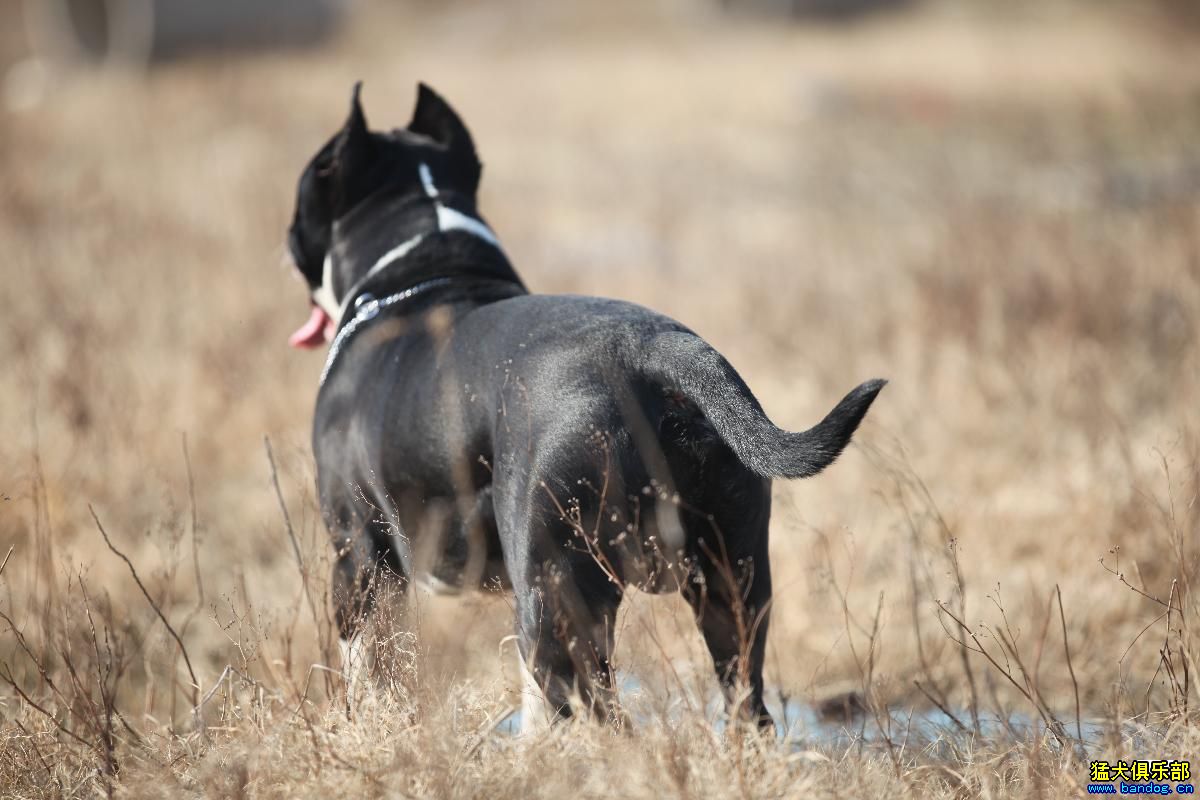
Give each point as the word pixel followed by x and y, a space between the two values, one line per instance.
pixel 358 165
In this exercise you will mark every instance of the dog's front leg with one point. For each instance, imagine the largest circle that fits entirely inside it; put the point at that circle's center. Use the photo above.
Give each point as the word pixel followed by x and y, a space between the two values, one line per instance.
pixel 368 588
pixel 356 656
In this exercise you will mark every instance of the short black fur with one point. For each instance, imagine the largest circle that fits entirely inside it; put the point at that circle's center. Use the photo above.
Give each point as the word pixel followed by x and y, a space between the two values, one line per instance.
pixel 566 447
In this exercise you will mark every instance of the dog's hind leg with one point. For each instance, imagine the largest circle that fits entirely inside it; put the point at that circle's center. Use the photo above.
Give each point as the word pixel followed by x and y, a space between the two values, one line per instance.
pixel 565 646
pixel 565 601
pixel 730 586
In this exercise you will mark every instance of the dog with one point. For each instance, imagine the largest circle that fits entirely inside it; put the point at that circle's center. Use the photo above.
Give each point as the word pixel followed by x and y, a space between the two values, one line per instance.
pixel 471 433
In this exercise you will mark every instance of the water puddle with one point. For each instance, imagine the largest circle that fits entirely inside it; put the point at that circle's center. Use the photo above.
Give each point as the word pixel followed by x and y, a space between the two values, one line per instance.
pixel 844 722
pixel 925 727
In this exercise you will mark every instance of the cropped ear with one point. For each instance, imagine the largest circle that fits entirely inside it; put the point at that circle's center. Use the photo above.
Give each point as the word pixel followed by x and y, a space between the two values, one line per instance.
pixel 433 117
pixel 352 145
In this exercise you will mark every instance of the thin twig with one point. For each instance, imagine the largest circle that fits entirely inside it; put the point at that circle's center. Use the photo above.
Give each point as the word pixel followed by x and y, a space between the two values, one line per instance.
pixel 287 520
pixel 187 461
pixel 38 751
pixel 198 710
pixel 1036 701
pixel 1121 577
pixel 7 677
pixel 287 524
pixel 136 579
pixel 1070 668
pixel 941 707
pixel 7 556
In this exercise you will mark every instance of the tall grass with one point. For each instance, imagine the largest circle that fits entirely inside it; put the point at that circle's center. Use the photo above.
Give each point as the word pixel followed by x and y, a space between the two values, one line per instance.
pixel 1003 220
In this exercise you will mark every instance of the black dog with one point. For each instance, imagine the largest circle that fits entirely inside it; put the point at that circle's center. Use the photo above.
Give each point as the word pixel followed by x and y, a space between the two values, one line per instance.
pixel 566 447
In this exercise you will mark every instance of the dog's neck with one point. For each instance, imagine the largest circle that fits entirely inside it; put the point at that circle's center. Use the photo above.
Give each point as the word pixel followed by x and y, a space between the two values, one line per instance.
pixel 446 219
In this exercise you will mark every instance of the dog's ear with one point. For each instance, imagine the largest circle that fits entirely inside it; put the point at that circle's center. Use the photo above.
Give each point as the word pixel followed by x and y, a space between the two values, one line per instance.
pixel 433 117
pixel 353 153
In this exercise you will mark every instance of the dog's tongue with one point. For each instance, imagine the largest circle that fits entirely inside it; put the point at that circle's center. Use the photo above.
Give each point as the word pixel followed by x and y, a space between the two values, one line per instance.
pixel 312 333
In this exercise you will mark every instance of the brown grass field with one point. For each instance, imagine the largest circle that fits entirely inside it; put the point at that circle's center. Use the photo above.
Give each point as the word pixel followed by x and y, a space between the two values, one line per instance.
pixel 998 212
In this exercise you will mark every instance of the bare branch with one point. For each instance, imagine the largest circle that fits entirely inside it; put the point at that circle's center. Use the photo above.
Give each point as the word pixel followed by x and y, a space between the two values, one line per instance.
pixel 170 629
pixel 187 461
pixel 1070 668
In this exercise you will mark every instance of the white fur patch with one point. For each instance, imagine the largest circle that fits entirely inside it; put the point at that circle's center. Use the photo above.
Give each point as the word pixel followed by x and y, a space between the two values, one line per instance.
pixel 436 586
pixel 427 179
pixel 534 715
pixel 357 656
pixel 450 219
pixel 324 296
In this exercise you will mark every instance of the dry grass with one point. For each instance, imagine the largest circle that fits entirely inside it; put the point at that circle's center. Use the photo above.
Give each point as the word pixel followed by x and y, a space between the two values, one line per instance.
pixel 1000 215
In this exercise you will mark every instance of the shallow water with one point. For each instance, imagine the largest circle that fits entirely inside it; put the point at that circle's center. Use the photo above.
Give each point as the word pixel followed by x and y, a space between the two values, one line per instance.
pixel 802 723
pixel 805 726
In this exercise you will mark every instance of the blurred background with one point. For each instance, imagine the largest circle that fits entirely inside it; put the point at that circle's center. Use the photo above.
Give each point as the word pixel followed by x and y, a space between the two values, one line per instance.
pixel 994 205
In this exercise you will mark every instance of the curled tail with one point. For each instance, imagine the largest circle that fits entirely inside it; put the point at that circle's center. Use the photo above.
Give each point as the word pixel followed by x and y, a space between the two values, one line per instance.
pixel 685 361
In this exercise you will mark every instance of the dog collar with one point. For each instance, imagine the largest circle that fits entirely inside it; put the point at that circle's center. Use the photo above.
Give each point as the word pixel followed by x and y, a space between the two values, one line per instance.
pixel 448 219
pixel 367 308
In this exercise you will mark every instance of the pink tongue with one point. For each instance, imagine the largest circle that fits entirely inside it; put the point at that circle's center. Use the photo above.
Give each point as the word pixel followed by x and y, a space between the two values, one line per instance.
pixel 312 333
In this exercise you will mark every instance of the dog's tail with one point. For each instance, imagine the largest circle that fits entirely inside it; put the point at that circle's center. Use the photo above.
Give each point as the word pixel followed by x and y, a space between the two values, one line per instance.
pixel 686 362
